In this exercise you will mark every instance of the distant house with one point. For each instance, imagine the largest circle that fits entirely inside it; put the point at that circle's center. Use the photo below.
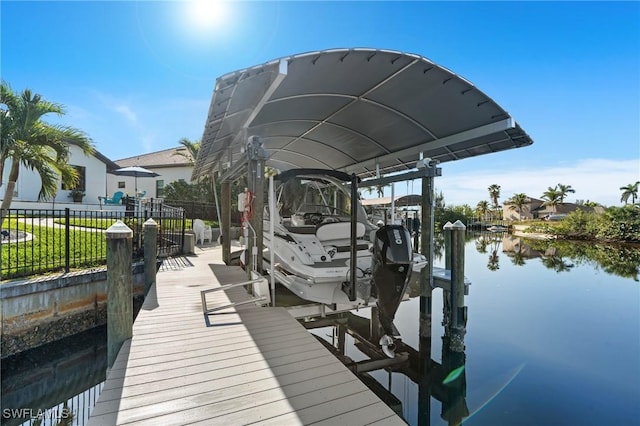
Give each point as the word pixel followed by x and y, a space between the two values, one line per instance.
pixel 534 209
pixel 563 208
pixel 92 170
pixel 171 164
pixel 528 211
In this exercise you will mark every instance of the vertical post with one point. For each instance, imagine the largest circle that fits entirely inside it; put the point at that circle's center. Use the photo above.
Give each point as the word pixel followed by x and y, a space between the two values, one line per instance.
pixel 258 216
pixel 454 409
pixel 446 293
pixel 257 156
pixel 225 223
pixel 183 230
pixel 119 293
pixel 426 286
pixel 272 238
pixel 67 241
pixel 150 253
pixel 393 204
pixel 458 310
pixel 351 290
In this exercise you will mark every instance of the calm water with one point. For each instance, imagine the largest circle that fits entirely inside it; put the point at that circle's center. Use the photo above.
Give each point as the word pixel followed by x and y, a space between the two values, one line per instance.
pixel 552 339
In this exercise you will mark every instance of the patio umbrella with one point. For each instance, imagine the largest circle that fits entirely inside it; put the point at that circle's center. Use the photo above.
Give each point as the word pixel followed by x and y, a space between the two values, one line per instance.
pixel 136 172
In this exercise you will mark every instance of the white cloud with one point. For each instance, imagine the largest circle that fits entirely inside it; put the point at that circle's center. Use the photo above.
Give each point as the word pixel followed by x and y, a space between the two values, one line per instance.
pixel 127 112
pixel 593 179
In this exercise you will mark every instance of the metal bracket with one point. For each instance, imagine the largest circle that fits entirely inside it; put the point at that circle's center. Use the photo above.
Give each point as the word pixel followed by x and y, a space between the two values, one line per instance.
pixel 255 150
pixel 208 311
pixel 430 167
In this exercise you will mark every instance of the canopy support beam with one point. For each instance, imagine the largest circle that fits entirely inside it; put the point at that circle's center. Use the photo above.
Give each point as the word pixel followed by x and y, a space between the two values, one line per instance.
pixel 488 129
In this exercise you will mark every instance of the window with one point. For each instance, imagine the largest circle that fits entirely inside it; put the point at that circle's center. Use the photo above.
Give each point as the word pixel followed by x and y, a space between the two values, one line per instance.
pixel 159 188
pixel 82 175
pixel 121 185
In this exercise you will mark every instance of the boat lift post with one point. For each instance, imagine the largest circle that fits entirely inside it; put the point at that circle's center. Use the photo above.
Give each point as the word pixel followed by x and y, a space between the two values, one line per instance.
pixel 351 288
pixel 429 170
pixel 256 155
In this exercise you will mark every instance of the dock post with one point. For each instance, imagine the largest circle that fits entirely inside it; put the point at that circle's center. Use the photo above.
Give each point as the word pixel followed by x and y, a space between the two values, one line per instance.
pixel 119 292
pixel 458 310
pixel 150 228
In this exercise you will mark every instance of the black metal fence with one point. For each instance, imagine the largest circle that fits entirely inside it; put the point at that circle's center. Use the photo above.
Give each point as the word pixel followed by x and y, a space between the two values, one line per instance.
pixel 38 241
pixel 204 211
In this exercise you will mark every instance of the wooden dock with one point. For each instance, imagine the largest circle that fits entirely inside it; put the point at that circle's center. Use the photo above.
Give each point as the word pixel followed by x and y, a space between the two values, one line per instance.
pixel 250 365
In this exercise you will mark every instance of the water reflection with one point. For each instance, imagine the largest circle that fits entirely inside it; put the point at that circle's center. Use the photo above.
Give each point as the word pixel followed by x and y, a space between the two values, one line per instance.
pixel 443 381
pixel 55 384
pixel 563 256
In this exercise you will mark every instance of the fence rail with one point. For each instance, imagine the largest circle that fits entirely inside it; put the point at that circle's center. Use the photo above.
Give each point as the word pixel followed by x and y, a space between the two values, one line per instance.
pixel 36 241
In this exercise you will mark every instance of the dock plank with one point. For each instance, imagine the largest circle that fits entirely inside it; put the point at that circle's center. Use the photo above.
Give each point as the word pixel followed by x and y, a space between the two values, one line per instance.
pixel 244 365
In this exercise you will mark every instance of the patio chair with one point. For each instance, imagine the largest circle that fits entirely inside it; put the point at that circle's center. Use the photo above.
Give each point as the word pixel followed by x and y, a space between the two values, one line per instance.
pixel 116 199
pixel 202 231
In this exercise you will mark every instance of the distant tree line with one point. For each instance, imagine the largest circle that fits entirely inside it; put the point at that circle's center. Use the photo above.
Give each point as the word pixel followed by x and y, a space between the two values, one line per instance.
pixel 616 224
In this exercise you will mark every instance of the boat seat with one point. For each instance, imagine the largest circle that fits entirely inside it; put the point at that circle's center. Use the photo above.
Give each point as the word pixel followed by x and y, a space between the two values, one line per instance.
pixel 338 231
pixel 304 229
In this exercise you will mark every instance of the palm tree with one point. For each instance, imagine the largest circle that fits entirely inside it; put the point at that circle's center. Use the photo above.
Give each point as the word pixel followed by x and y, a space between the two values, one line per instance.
pixel 551 197
pixel 630 190
pixel 563 190
pixel 481 209
pixel 517 202
pixel 193 147
pixel 30 142
pixel 494 194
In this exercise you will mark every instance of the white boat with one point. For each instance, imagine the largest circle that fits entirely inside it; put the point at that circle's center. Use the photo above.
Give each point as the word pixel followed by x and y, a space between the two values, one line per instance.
pixel 323 233
pixel 312 240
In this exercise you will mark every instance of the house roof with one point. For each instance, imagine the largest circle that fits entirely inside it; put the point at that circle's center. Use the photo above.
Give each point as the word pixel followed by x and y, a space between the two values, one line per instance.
pixel 172 157
pixel 110 164
pixel 564 208
pixel 355 110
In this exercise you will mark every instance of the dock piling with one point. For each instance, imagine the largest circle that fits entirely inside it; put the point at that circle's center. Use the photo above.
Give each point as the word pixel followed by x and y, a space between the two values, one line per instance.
pixel 150 253
pixel 458 312
pixel 119 288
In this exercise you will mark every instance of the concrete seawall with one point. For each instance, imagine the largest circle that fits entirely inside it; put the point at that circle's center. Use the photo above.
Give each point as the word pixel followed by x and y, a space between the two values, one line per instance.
pixel 40 310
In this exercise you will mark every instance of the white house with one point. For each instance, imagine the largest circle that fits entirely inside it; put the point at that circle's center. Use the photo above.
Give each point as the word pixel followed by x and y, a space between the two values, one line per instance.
pixel 92 170
pixel 169 164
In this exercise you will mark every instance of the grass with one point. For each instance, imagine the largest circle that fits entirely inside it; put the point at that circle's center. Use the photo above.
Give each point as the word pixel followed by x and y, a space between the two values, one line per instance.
pixel 46 252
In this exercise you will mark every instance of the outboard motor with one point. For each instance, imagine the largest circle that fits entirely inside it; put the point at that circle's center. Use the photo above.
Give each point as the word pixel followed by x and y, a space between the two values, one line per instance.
pixel 391 269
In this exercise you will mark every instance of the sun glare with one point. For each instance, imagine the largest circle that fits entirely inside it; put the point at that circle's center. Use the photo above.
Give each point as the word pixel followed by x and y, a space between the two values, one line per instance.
pixel 207 14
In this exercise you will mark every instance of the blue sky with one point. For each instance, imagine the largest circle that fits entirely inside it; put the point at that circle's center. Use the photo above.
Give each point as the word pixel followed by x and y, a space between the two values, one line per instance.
pixel 138 76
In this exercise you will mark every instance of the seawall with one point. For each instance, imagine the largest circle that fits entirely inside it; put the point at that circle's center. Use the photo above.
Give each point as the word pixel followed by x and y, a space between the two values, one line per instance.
pixel 40 310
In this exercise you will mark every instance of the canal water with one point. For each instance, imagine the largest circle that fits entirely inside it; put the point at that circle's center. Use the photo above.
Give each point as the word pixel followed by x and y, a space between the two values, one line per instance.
pixel 552 338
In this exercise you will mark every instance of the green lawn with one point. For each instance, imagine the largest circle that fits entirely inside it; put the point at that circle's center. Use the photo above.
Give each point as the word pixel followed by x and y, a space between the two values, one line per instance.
pixel 46 251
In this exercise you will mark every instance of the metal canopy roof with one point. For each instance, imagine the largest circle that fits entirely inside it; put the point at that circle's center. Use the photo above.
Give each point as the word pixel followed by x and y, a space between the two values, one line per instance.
pixel 354 110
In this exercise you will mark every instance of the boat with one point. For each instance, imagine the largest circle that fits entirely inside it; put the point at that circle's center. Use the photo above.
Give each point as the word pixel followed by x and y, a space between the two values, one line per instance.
pixel 319 230
pixel 498 228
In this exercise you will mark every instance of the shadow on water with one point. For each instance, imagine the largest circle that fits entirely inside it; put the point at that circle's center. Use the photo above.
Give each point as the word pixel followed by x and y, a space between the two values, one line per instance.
pixel 67 373
pixel 354 340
